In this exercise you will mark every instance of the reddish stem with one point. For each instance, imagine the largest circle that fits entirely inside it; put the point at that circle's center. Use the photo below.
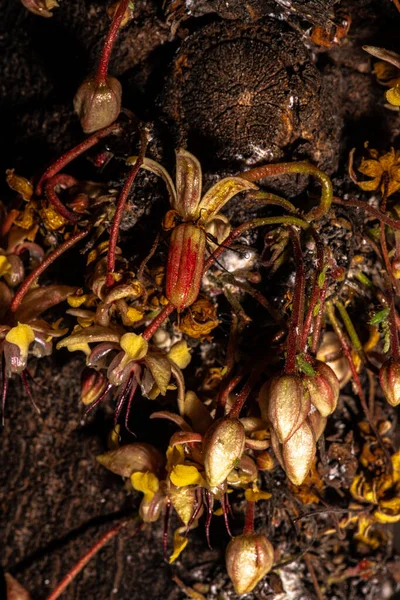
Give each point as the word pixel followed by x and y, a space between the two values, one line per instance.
pixel 24 287
pixel 120 209
pixel 347 352
pixel 370 210
pixel 77 568
pixel 394 335
pixel 248 528
pixel 318 320
pixel 244 394
pixel 296 324
pixel 227 389
pixel 102 70
pixel 69 156
pixel 158 321
pixel 316 294
pixel 64 181
pixel 169 308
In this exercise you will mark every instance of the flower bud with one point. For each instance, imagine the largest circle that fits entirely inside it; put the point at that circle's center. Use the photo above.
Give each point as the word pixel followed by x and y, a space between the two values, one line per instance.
pixel 389 376
pixel 223 447
pixel 133 458
pixel 93 384
pixel 330 352
pixel 317 422
pixel 98 104
pixel 323 387
pixel 248 559
pixel 297 454
pixel 285 403
pixel 185 264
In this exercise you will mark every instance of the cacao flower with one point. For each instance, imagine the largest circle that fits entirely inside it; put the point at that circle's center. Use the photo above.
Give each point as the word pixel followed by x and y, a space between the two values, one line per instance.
pixel 188 240
pixel 389 376
pixel 223 447
pixel 98 104
pixel 323 387
pixel 285 403
pixel 248 559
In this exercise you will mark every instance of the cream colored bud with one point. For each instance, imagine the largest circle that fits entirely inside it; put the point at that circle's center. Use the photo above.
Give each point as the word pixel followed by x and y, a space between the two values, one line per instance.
pixel 285 404
pixel 222 449
pixel 298 454
pixel 331 353
pixel 248 559
pixel 98 104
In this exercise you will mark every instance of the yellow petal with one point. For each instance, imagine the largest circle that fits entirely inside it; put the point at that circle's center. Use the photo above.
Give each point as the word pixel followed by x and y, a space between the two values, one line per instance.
pixel 180 544
pixel 145 482
pixel 396 467
pixel 370 186
pixel 175 456
pixel 19 184
pixel 79 347
pixel 387 160
pixel 371 168
pixel 134 345
pixel 180 354
pixel 182 475
pixel 383 517
pixel 76 301
pixel 22 336
pixel 256 495
pixel 393 95
pixel 133 314
pixel 5 266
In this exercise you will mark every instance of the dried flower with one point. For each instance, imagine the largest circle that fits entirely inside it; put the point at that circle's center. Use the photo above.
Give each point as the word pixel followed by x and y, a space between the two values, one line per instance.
pixel 98 104
pixel 188 240
pixel 381 168
pixel 248 559
pixel 200 319
pixel 223 447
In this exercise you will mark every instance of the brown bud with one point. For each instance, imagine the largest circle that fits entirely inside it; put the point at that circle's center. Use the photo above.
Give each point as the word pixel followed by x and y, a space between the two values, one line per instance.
pixel 285 403
pixel 223 447
pixel 323 387
pixel 98 104
pixel 132 458
pixel 389 376
pixel 93 384
pixel 248 559
pixel 297 454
